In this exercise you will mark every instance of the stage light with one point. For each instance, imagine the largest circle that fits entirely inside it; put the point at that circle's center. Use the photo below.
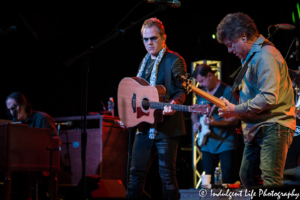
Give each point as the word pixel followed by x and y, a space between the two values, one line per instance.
pixel 293 17
pixel 213 36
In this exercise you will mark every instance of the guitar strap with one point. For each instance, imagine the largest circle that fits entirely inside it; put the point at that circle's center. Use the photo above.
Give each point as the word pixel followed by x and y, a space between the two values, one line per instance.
pixel 168 79
pixel 220 90
pixel 241 74
pixel 219 93
pixel 149 68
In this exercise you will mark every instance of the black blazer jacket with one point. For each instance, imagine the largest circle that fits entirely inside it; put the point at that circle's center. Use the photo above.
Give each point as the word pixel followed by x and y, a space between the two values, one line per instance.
pixel 171 64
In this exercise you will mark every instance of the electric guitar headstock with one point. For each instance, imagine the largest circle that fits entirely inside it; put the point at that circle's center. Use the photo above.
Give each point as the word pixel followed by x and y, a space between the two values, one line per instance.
pixel 186 82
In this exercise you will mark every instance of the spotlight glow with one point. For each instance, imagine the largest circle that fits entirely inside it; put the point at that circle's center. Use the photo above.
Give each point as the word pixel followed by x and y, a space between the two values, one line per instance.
pixel 293 17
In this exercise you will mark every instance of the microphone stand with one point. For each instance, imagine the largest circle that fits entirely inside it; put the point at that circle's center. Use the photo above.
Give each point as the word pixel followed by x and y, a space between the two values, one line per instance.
pixel 85 57
pixel 270 36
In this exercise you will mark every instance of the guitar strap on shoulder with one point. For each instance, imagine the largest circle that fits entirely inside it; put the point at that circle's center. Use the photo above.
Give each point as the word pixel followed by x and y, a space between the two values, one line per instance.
pixel 220 91
pixel 241 74
pixel 168 68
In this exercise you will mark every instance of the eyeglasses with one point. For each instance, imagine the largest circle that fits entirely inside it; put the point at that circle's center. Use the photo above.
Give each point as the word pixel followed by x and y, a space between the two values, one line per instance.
pixel 14 107
pixel 153 39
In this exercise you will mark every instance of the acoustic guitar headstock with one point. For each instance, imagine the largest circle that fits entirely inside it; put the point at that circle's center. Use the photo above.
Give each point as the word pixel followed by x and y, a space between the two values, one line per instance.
pixel 203 109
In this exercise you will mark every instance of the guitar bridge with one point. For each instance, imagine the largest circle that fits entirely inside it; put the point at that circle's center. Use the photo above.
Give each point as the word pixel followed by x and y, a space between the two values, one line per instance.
pixel 133 102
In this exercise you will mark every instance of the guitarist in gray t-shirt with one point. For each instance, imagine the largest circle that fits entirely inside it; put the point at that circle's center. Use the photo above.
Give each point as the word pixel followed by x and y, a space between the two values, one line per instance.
pixel 216 135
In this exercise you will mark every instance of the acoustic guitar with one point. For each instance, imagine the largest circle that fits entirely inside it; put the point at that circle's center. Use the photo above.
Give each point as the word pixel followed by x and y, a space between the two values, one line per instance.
pixel 138 102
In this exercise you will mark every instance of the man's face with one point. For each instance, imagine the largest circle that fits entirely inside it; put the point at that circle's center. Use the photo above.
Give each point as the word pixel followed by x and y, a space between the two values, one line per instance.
pixel 153 41
pixel 237 47
pixel 22 115
pixel 204 82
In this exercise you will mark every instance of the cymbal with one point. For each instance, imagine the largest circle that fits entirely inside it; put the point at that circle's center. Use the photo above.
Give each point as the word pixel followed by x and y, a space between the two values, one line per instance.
pixel 295 76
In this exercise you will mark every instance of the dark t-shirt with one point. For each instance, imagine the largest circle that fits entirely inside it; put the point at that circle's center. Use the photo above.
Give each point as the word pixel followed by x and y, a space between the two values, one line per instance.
pixel 221 138
pixel 39 119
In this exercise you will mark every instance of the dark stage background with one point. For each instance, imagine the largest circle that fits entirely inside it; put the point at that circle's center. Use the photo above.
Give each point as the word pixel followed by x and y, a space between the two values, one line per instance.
pixel 49 35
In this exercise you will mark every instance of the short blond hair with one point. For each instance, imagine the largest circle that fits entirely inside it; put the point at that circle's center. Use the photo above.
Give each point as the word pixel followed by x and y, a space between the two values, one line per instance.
pixel 154 22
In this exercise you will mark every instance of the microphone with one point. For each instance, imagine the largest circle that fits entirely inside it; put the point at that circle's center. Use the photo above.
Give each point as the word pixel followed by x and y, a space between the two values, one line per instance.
pixel 5 31
pixel 104 108
pixel 285 26
pixel 68 123
pixel 297 49
pixel 173 4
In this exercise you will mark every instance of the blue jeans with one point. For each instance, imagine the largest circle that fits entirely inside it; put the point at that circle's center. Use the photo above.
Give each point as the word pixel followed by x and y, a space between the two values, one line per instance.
pixel 210 162
pixel 264 157
pixel 143 152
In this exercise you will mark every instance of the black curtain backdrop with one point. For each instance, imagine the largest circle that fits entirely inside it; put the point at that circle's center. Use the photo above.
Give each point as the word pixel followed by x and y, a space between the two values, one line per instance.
pixel 48 35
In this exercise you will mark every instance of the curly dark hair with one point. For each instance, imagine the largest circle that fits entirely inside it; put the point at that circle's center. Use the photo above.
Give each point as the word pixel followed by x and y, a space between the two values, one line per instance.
pixel 233 25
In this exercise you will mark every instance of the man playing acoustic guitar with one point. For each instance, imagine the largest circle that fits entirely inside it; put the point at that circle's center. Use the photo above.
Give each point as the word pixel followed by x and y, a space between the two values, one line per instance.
pixel 218 142
pixel 159 67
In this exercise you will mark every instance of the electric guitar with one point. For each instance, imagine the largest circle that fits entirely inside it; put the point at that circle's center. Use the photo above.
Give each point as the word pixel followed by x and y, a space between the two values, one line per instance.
pixel 205 131
pixel 202 135
pixel 209 97
pixel 138 102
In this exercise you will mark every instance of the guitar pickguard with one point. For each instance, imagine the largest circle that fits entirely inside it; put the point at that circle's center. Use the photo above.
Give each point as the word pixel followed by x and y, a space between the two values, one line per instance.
pixel 202 136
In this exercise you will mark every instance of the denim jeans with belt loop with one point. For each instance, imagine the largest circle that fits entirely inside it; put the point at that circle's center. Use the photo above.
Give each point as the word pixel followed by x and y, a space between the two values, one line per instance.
pixel 264 157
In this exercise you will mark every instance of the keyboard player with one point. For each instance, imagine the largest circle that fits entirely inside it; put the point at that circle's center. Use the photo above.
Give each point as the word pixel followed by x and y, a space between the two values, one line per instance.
pixel 25 115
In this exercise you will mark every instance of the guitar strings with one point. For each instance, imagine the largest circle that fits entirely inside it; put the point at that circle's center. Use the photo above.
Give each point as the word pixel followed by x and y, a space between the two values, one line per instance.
pixel 149 102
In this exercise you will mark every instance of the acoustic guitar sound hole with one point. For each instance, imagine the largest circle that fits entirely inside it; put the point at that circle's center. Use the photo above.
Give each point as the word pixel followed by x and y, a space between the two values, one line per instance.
pixel 145 104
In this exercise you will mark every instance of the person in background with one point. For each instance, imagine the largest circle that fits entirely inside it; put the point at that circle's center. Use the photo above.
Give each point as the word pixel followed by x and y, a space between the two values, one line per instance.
pixel 24 114
pixel 28 116
pixel 221 142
